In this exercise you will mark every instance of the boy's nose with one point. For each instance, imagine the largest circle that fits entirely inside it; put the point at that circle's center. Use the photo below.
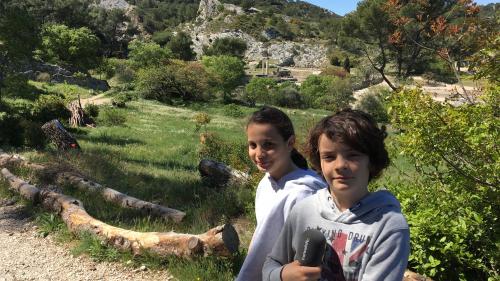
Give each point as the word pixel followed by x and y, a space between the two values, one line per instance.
pixel 340 163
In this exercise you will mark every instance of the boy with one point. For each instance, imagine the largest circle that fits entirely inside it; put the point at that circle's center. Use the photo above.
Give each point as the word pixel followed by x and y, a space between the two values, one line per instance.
pixel 367 236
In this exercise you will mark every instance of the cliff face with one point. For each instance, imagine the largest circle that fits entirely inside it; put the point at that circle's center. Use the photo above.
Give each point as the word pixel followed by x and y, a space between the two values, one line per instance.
pixel 285 53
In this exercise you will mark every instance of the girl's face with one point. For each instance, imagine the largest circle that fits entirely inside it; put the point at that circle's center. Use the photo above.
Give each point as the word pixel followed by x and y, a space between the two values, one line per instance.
pixel 346 170
pixel 268 150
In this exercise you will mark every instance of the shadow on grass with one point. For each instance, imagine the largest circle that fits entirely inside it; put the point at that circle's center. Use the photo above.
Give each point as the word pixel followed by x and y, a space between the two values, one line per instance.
pixel 182 190
pixel 110 140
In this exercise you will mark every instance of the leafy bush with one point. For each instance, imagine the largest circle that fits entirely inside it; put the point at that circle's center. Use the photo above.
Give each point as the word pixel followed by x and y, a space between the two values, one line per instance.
pixel 77 47
pixel 289 97
pixel 229 46
pixel 261 90
pixel 233 110
pixel 227 71
pixel 121 69
pixel 33 135
pixel 49 107
pixel 147 54
pixel 176 81
pixel 112 117
pixel 216 148
pixel 201 120
pixel 453 209
pixel 91 110
pixel 374 104
pixel 330 93
pixel 180 45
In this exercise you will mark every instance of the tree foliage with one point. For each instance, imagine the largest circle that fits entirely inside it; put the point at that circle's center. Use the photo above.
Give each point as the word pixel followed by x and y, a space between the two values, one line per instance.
pixel 326 92
pixel 75 47
pixel 180 45
pixel 145 54
pixel 229 46
pixel 227 71
pixel 186 81
pixel 455 151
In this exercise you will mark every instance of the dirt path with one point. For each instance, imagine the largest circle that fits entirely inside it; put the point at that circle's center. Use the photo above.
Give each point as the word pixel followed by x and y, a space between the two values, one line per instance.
pixel 97 100
pixel 24 255
pixel 439 91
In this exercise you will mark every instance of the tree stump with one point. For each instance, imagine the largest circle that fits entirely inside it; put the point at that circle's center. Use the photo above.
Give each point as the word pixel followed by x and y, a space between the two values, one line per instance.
pixel 217 174
pixel 78 117
pixel 56 132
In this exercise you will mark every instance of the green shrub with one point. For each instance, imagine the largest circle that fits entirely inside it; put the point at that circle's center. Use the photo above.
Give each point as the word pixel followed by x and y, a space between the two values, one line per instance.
pixel 326 92
pixel 261 90
pixel 216 148
pixel 176 81
pixel 232 110
pixel 33 135
pixel 146 54
pixel 49 107
pixel 289 97
pixel 374 105
pixel 452 204
pixel 229 46
pixel 112 117
pixel 201 120
pixel 10 128
pixel 91 110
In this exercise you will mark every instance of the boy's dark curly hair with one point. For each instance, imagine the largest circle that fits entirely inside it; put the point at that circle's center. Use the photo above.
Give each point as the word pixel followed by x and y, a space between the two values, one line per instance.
pixel 356 129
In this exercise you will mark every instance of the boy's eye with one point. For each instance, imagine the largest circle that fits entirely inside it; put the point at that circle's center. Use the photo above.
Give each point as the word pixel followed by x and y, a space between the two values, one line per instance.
pixel 328 157
pixel 252 145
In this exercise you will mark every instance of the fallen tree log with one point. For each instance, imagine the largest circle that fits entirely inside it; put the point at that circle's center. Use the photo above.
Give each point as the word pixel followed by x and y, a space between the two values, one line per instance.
pixel 82 183
pixel 219 241
pixel 119 198
pixel 218 174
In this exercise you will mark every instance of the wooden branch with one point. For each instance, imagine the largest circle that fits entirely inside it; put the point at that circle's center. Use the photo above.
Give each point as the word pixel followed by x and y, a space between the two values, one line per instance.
pixel 83 183
pixel 119 198
pixel 219 241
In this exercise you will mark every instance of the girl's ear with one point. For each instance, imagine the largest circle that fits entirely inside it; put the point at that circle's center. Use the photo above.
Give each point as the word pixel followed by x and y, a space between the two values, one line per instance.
pixel 291 142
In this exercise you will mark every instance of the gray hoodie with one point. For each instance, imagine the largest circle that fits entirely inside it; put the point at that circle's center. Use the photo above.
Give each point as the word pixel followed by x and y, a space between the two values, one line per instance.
pixel 369 242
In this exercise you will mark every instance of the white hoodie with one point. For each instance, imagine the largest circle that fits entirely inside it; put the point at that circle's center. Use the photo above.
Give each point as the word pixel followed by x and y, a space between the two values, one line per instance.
pixel 273 202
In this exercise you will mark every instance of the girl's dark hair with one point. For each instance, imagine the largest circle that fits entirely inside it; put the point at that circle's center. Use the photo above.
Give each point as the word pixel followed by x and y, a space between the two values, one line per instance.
pixel 284 126
pixel 356 129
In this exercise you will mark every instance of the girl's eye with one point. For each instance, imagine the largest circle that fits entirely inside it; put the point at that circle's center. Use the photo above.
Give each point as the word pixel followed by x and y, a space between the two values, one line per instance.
pixel 252 145
pixel 268 145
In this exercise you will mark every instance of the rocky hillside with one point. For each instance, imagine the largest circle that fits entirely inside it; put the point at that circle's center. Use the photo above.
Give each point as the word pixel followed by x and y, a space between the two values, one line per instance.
pixel 291 33
pixel 218 20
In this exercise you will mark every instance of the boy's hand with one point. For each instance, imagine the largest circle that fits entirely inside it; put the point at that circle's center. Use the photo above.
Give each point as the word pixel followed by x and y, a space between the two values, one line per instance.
pixel 295 272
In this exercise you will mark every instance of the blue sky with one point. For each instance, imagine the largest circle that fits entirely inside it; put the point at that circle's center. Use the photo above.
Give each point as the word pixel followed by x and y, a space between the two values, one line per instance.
pixel 342 7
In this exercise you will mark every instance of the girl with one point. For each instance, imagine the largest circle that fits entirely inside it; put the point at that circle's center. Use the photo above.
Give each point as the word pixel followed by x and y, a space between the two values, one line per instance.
pixel 271 140
pixel 368 237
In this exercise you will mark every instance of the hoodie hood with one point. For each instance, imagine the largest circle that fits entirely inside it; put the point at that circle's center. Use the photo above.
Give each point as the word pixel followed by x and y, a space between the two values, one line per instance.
pixel 308 179
pixel 367 210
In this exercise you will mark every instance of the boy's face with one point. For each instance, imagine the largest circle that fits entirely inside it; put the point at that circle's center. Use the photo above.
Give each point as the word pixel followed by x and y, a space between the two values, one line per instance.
pixel 346 170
